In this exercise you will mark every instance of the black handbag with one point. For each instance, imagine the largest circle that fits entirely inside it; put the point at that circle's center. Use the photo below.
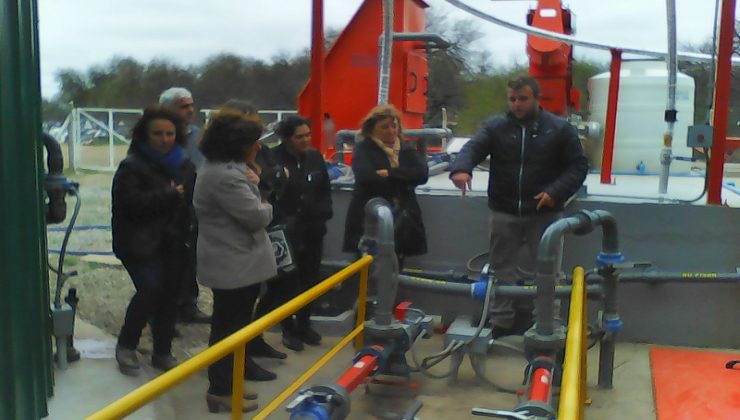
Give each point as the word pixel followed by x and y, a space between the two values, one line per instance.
pixel 408 227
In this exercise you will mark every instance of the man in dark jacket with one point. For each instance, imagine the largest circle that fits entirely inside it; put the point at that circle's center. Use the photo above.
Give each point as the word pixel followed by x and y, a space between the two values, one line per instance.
pixel 537 164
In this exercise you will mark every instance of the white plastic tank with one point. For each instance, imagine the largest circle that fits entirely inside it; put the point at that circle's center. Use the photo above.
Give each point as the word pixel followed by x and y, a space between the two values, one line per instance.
pixel 643 95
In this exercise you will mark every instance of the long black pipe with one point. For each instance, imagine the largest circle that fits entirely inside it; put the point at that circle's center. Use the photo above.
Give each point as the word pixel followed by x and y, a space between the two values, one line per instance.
pixel 56 209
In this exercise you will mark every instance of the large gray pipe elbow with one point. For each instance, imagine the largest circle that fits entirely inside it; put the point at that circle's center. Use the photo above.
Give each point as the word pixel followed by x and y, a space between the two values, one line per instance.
pixel 379 225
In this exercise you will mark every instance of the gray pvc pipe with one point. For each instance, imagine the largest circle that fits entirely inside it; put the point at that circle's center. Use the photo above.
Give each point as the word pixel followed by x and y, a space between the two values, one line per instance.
pixel 379 225
pixel 672 63
pixel 465 289
pixel 548 262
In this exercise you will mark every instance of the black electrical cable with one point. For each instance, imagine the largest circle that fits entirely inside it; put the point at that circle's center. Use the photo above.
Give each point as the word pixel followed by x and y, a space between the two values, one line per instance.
pixel 61 277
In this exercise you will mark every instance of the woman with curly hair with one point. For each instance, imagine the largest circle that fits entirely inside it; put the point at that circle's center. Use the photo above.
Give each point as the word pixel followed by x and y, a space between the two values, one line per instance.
pixel 234 251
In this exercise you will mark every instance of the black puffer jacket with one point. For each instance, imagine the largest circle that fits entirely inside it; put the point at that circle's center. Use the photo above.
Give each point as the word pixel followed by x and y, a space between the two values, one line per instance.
pixel 541 155
pixel 150 217
pixel 396 188
pixel 304 203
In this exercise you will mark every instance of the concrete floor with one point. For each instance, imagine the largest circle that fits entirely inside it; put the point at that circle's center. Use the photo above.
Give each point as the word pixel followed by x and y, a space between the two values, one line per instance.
pixel 94 382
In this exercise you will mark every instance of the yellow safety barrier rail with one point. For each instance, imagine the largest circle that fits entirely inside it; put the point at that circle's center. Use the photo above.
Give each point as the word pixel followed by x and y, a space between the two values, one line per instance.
pixel 235 344
pixel 573 387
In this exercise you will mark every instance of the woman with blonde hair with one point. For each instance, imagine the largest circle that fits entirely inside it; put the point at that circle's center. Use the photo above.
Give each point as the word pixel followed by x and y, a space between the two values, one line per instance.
pixel 385 166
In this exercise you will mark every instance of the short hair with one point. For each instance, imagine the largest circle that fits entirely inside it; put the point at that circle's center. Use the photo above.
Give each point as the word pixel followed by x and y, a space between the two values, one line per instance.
pixel 286 128
pixel 522 81
pixel 171 95
pixel 139 132
pixel 228 134
pixel 377 114
pixel 240 105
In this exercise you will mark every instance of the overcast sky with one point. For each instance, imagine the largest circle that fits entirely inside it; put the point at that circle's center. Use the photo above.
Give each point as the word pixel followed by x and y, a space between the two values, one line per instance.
pixel 77 34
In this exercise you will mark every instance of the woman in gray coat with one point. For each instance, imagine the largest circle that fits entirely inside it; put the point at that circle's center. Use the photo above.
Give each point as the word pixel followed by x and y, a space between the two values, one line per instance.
pixel 234 252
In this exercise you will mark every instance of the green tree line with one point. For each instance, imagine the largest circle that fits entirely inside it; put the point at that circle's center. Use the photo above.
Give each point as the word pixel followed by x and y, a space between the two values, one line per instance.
pixel 464 79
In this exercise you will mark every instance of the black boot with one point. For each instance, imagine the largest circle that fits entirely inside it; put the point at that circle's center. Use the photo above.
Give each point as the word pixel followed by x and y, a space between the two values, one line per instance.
pixel 309 336
pixel 255 372
pixel 292 341
pixel 258 347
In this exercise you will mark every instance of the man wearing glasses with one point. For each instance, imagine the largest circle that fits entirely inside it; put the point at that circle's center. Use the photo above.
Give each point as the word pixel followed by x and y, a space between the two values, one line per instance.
pixel 537 164
pixel 180 101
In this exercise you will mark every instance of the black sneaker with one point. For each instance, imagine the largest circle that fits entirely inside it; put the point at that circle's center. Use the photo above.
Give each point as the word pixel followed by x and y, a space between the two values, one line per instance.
pixel 292 341
pixel 309 336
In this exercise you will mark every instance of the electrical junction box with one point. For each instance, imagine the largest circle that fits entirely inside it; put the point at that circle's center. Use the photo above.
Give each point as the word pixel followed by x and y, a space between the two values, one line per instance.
pixel 462 330
pixel 699 136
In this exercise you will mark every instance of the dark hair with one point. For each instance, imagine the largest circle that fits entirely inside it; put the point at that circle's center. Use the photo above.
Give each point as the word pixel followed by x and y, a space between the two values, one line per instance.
pixel 522 81
pixel 139 132
pixel 228 134
pixel 286 128
pixel 239 105
pixel 377 114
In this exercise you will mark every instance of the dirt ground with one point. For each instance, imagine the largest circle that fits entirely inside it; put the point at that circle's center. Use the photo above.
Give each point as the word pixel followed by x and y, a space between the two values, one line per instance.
pixel 105 289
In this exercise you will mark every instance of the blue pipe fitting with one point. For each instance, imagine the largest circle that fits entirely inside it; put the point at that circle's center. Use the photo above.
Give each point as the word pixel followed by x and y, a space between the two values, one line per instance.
pixel 604 258
pixel 612 324
pixel 478 290
pixel 310 410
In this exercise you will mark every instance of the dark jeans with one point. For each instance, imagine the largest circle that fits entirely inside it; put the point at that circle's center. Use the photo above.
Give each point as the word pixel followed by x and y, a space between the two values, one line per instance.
pixel 155 298
pixel 232 310
pixel 287 286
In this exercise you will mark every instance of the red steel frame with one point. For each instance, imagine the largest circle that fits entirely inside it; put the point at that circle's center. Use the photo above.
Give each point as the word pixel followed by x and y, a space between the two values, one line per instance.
pixel 607 154
pixel 317 69
pixel 721 102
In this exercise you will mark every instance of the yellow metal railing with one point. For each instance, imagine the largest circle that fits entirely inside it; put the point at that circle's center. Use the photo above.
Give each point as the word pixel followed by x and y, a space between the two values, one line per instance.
pixel 235 343
pixel 573 387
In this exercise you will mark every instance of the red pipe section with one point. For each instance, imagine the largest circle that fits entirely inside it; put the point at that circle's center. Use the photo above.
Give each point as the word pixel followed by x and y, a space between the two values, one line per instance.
pixel 317 75
pixel 539 388
pixel 607 154
pixel 721 102
pixel 359 371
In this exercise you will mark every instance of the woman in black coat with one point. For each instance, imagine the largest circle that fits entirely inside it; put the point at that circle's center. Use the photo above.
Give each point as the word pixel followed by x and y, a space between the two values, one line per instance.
pixel 303 206
pixel 385 166
pixel 152 197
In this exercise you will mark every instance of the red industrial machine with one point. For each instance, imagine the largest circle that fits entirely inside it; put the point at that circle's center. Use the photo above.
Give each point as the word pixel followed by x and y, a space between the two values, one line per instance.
pixel 550 62
pixel 350 71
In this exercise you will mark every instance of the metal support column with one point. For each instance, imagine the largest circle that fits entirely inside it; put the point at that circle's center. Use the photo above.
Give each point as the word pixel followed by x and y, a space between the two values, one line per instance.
pixel 607 153
pixel 25 324
pixel 317 75
pixel 721 102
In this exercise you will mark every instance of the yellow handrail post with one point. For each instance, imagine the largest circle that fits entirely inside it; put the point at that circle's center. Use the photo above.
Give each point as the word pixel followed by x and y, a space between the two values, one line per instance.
pixel 361 302
pixel 237 382
pixel 573 389
pixel 584 350
pixel 235 345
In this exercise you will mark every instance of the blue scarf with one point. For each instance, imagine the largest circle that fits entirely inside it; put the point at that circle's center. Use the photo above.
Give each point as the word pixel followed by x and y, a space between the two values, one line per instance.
pixel 170 162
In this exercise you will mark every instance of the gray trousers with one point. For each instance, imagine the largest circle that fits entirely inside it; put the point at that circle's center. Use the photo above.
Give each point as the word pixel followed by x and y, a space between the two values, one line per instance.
pixel 513 254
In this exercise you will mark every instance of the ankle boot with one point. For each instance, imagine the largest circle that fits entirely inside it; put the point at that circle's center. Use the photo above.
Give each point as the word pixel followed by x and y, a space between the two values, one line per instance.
pixel 222 403
pixel 163 362
pixel 309 336
pixel 258 347
pixel 128 361
pixel 255 372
